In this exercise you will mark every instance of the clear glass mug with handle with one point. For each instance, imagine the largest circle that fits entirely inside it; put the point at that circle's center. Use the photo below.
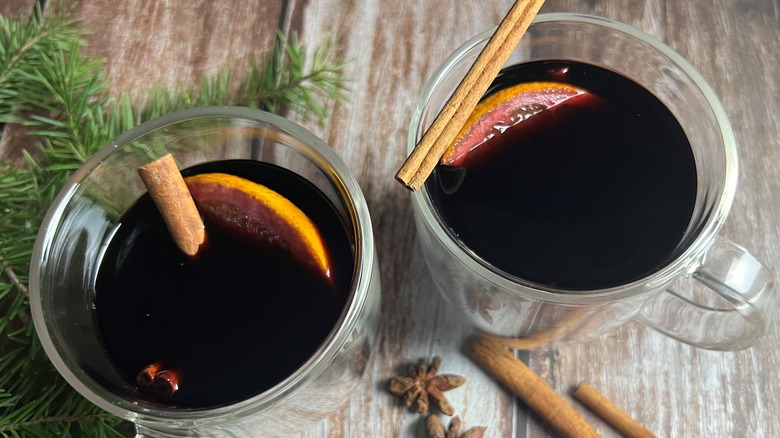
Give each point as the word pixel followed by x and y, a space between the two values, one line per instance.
pixel 712 294
pixel 69 248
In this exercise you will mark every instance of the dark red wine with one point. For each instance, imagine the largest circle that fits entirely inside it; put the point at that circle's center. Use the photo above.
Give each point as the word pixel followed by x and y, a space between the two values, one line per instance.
pixel 230 323
pixel 590 194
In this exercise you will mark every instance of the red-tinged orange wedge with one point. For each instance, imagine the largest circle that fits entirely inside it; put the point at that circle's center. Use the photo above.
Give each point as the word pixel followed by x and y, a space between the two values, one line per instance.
pixel 505 109
pixel 258 212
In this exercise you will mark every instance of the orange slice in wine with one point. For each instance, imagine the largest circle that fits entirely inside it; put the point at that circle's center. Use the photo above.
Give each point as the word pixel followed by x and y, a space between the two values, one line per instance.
pixel 257 212
pixel 503 110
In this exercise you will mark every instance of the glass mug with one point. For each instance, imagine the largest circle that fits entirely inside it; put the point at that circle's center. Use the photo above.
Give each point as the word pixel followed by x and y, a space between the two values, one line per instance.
pixel 678 298
pixel 68 253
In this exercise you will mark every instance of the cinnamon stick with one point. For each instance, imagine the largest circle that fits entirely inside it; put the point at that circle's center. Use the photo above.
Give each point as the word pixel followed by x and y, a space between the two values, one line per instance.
pixel 530 388
pixel 610 413
pixel 456 111
pixel 169 192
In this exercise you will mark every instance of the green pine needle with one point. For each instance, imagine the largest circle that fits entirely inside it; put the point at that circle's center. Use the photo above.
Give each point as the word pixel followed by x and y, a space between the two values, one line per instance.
pixel 49 86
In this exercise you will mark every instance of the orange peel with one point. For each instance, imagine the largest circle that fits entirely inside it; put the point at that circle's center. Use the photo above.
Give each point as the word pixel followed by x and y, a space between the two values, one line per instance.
pixel 261 213
pixel 505 109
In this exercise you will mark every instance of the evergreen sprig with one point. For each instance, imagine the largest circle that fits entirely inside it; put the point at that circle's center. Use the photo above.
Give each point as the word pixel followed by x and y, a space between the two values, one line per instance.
pixel 59 95
pixel 22 46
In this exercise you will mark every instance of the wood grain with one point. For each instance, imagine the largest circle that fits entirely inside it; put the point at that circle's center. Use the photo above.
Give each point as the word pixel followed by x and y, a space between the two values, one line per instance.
pixel 16 8
pixel 673 389
pixel 149 43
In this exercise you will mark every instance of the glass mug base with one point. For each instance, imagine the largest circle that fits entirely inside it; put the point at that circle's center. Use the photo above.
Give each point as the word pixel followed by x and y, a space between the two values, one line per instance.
pixel 513 306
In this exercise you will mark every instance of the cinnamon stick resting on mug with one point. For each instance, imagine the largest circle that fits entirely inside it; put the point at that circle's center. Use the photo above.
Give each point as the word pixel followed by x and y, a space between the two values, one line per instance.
pixel 170 194
pixel 530 388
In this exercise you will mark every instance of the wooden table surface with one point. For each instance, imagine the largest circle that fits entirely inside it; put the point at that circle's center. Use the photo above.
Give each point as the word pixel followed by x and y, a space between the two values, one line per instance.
pixel 394 47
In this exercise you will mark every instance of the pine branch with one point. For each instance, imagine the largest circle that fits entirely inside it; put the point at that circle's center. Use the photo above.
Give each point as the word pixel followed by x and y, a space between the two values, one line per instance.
pixel 290 84
pixel 21 46
pixel 48 85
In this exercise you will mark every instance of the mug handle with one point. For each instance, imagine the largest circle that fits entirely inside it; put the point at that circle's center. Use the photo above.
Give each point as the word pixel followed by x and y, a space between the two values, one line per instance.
pixel 735 275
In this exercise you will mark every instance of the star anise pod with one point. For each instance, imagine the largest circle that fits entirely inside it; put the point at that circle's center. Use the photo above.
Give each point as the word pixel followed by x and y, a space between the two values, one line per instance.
pixel 435 429
pixel 423 384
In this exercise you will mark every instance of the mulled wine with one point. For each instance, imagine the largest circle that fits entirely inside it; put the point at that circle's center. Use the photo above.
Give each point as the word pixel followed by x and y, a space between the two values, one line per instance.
pixel 594 192
pixel 231 322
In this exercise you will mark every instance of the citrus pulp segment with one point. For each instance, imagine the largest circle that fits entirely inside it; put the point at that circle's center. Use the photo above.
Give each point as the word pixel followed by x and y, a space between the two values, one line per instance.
pixel 503 110
pixel 260 213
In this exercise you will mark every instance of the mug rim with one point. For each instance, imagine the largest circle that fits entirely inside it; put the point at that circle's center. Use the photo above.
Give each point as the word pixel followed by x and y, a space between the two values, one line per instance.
pixel 364 266
pixel 687 260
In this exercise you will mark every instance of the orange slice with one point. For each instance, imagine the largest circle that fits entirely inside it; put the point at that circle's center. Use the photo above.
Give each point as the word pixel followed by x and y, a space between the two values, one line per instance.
pixel 258 212
pixel 505 109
